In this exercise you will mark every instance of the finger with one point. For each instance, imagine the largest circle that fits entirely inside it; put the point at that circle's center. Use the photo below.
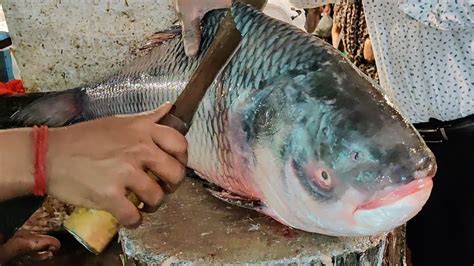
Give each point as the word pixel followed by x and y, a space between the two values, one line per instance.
pixel 126 213
pixel 45 242
pixel 41 256
pixel 157 114
pixel 191 35
pixel 147 190
pixel 167 169
pixel 26 243
pixel 171 142
pixel 154 115
pixel 32 242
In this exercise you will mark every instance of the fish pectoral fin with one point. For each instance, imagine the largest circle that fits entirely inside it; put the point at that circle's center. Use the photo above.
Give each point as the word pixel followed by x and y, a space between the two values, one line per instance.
pixel 54 109
pixel 159 38
pixel 234 199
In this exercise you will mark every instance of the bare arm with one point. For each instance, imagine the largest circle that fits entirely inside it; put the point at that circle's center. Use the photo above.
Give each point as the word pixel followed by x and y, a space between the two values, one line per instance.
pixel 94 164
pixel 16 163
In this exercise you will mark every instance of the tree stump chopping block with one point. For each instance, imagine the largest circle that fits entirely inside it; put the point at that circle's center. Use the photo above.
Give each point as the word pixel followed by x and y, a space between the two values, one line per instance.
pixel 194 228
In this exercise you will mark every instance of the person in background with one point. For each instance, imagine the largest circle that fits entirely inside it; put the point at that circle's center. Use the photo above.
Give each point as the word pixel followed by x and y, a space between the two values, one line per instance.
pixel 424 52
pixel 351 35
pixel 324 27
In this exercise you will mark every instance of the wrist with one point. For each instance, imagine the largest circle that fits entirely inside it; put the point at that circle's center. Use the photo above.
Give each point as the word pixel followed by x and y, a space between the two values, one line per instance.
pixel 40 146
pixel 55 152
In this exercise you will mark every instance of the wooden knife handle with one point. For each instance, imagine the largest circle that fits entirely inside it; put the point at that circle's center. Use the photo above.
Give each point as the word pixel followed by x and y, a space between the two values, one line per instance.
pixel 173 121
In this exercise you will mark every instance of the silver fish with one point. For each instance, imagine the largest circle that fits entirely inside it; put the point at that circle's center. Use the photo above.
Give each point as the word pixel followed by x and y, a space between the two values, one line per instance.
pixel 289 128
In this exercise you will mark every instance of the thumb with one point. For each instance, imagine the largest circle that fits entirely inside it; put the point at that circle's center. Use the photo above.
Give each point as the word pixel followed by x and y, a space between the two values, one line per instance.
pixel 159 113
pixel 191 35
pixel 189 14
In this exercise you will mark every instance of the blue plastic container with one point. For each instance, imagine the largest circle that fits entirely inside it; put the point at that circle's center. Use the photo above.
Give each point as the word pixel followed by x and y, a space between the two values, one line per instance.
pixel 6 65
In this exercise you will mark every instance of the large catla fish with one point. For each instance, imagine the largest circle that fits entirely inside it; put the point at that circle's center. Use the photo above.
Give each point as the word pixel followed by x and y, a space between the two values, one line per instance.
pixel 289 127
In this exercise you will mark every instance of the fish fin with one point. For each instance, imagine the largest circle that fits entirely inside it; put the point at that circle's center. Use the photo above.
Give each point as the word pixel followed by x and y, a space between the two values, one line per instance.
pixel 9 104
pixel 54 110
pixel 233 198
pixel 159 38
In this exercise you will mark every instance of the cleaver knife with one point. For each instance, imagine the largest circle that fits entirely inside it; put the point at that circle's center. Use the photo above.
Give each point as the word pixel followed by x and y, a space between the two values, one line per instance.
pixel 94 229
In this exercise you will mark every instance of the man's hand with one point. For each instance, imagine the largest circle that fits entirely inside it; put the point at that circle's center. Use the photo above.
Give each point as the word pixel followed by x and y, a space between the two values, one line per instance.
pixel 28 246
pixel 95 164
pixel 190 12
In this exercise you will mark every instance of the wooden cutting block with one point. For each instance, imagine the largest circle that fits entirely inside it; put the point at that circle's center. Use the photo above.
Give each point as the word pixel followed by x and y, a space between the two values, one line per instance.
pixel 193 227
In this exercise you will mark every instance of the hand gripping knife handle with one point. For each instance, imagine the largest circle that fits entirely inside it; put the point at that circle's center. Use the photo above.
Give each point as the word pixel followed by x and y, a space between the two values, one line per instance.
pixel 94 228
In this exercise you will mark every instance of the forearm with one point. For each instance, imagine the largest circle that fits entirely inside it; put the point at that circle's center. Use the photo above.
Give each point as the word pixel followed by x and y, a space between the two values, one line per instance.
pixel 16 163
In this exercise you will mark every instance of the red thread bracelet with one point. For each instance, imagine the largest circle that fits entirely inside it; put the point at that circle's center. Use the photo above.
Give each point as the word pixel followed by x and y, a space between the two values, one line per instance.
pixel 40 142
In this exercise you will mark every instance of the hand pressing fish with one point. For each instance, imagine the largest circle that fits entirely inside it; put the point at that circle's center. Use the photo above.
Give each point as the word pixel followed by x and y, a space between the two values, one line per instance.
pixel 289 128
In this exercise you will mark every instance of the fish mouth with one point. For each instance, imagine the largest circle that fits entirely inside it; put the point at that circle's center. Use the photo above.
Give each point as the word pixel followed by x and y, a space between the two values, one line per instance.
pixel 393 195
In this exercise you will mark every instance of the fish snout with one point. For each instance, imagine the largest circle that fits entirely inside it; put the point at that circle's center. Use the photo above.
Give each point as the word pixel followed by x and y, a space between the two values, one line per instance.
pixel 411 182
pixel 419 165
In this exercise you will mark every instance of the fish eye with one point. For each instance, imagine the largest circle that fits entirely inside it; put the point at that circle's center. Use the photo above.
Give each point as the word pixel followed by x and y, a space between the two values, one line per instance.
pixel 323 180
pixel 319 179
pixel 324 175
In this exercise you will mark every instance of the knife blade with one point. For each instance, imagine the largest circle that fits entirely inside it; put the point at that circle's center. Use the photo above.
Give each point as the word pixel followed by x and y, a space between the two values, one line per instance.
pixel 220 52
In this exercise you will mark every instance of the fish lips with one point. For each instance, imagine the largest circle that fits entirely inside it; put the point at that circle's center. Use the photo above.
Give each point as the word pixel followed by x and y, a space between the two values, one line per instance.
pixel 392 208
pixel 396 193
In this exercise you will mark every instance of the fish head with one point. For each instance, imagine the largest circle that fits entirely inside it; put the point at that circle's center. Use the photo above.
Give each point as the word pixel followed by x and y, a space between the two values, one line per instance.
pixel 336 157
